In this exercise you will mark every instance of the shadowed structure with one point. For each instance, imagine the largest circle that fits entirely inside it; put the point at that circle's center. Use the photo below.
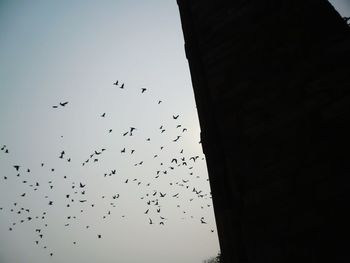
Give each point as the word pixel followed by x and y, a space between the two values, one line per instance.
pixel 271 81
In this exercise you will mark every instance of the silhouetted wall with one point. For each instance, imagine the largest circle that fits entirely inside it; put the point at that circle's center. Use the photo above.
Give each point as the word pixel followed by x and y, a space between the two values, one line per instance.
pixel 272 85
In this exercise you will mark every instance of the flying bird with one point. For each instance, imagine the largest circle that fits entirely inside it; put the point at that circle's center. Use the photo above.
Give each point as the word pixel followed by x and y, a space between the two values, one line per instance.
pixel 177 138
pixel 131 130
pixel 63 103
pixel 116 83
pixel 143 90
pixel 175 117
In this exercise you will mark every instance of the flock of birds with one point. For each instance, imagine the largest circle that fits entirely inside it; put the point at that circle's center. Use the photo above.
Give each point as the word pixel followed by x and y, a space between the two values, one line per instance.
pixel 76 195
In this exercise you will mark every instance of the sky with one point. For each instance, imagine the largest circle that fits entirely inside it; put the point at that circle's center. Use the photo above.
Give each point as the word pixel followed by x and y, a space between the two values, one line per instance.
pixel 53 52
pixel 342 6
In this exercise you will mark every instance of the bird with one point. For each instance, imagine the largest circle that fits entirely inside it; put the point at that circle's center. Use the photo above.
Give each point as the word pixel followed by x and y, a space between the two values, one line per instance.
pixel 110 130
pixel 63 103
pixel 159 101
pixel 103 115
pixel 202 221
pixel 177 138
pixel 143 90
pixel 116 83
pixel 194 158
pixel 82 185
pixel 55 106
pixel 150 221
pixel 123 151
pixel 99 236
pixel 122 86
pixel 146 212
pixel 175 117
pixel 131 130
pixel 16 167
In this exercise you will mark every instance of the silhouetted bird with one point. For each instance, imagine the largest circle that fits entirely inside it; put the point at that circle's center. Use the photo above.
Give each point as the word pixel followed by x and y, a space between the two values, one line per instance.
pixel 143 90
pixel 175 117
pixel 177 138
pixel 116 83
pixel 16 167
pixel 103 115
pixel 122 86
pixel 63 103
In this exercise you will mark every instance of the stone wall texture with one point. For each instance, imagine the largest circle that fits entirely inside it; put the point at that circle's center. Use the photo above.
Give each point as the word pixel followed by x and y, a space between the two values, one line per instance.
pixel 272 85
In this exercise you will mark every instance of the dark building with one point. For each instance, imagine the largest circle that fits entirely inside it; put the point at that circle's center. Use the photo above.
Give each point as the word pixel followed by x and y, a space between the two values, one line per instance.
pixel 272 84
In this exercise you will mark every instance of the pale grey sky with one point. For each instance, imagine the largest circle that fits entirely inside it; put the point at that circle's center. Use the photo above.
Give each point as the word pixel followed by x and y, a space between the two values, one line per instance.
pixel 342 6
pixel 56 51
